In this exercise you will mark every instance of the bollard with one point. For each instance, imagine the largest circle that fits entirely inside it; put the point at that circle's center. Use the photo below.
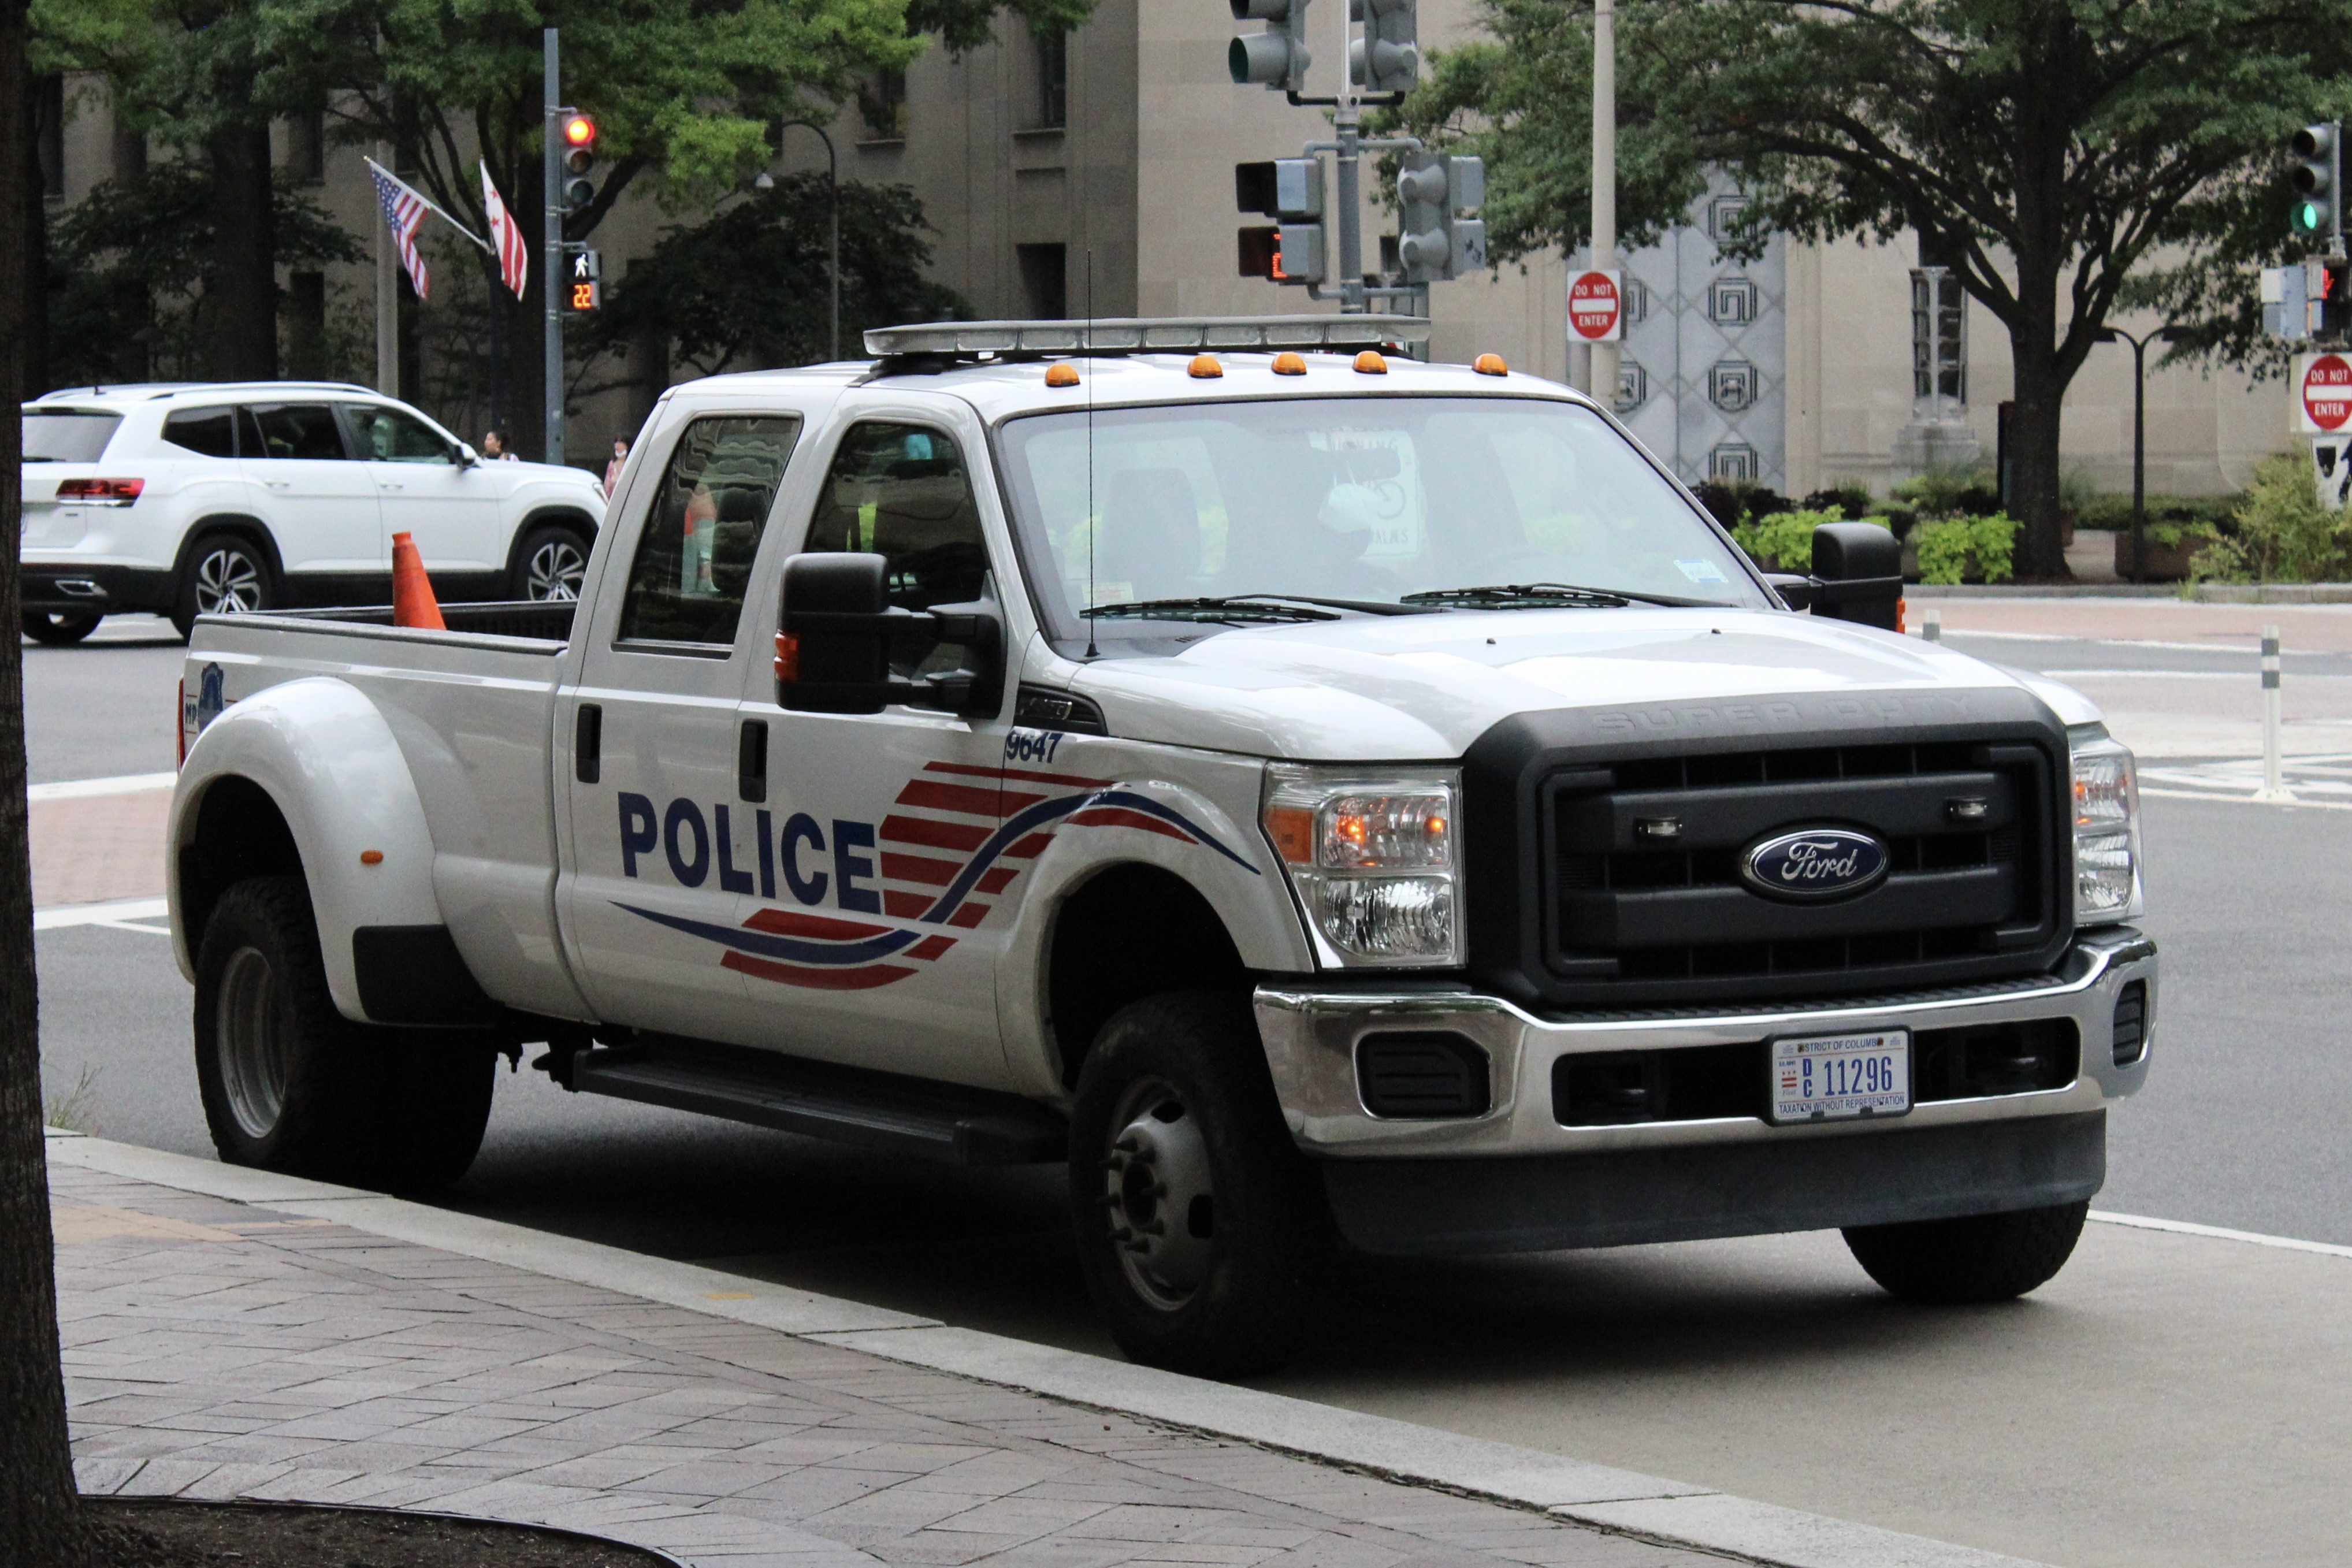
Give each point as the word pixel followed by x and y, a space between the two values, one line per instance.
pixel 1931 624
pixel 2273 765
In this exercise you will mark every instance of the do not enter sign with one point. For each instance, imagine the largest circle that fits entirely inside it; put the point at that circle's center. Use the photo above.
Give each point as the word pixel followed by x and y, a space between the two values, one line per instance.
pixel 1596 307
pixel 2327 391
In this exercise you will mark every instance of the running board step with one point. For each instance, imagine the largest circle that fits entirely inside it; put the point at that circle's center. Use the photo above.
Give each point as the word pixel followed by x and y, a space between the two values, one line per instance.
pixel 818 1099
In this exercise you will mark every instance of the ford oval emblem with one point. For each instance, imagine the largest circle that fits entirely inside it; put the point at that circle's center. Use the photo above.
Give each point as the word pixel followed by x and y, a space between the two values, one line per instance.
pixel 1815 865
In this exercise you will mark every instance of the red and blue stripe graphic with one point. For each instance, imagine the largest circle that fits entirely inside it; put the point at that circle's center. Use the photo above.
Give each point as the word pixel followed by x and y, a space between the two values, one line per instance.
pixel 956 836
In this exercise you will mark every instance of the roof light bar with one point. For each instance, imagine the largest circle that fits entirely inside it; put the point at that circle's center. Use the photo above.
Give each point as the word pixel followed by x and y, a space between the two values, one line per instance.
pixel 1146 334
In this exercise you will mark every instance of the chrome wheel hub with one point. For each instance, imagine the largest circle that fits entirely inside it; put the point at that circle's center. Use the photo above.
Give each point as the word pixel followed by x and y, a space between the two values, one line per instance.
pixel 228 584
pixel 554 570
pixel 254 1025
pixel 1156 1191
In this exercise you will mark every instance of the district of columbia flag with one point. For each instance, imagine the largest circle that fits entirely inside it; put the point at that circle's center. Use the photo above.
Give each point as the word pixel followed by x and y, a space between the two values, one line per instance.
pixel 514 256
pixel 404 211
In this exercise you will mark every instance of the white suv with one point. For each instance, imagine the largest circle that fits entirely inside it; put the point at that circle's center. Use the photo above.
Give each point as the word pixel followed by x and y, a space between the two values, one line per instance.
pixel 185 500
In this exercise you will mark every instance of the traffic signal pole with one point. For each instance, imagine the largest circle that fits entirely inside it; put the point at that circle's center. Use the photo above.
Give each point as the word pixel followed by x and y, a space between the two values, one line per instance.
pixel 551 273
pixel 1604 180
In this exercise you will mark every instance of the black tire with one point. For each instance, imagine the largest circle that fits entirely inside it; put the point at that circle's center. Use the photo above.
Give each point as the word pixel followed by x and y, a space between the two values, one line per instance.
pixel 225 573
pixel 550 565
pixel 290 1084
pixel 54 630
pixel 1175 1095
pixel 1981 1257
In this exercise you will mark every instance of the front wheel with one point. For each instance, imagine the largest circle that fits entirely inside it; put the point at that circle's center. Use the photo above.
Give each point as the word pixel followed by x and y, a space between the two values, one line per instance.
pixel 1201 1228
pixel 1976 1258
pixel 54 630
pixel 290 1084
pixel 552 563
pixel 226 575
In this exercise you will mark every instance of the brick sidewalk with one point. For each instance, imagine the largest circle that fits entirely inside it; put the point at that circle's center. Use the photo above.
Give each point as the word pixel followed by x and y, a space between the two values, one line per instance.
pixel 217 1349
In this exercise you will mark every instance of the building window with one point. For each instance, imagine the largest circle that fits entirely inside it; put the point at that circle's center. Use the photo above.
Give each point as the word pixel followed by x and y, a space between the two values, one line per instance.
pixel 306 146
pixel 1731 386
pixel 1731 302
pixel 1045 280
pixel 1939 337
pixel 1633 385
pixel 1733 461
pixel 1053 79
pixel 882 104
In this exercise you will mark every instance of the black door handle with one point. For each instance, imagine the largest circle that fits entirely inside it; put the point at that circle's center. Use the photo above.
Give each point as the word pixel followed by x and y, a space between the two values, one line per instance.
pixel 588 743
pixel 752 761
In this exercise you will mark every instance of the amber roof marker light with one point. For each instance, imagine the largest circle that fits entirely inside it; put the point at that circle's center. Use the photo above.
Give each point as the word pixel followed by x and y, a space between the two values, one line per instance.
pixel 1062 374
pixel 1490 364
pixel 1205 367
pixel 1370 362
pixel 1289 363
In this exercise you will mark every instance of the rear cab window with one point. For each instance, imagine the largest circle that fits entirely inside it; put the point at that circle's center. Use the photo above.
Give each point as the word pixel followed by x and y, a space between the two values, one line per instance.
pixel 68 435
pixel 693 563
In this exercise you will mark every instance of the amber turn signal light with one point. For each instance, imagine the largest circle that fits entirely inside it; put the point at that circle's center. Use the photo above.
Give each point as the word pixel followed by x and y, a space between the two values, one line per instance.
pixel 788 658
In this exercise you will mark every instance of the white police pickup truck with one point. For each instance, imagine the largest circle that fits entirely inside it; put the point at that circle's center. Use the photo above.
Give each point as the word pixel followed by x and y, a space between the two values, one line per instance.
pixel 1326 799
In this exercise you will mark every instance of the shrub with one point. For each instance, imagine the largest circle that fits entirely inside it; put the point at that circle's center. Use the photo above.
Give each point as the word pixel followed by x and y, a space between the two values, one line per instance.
pixel 1947 491
pixel 1948 545
pixel 1784 542
pixel 2170 518
pixel 2282 533
pixel 1851 499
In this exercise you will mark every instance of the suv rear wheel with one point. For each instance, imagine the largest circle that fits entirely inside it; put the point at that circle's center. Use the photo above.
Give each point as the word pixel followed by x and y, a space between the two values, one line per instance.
pixel 1201 1229
pixel 550 565
pixel 290 1084
pixel 1980 1258
pixel 58 630
pixel 226 575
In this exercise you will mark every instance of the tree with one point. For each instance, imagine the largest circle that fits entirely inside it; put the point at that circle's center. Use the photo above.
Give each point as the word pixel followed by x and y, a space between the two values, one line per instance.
pixel 2045 150
pixel 40 1515
pixel 746 289
pixel 685 93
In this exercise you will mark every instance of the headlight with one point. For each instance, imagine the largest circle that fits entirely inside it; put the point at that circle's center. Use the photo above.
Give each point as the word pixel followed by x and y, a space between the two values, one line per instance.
pixel 2106 828
pixel 1374 860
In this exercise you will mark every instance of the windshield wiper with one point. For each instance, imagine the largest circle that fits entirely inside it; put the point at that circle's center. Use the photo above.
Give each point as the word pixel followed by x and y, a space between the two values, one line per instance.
pixel 1545 596
pixel 1362 607
pixel 1238 607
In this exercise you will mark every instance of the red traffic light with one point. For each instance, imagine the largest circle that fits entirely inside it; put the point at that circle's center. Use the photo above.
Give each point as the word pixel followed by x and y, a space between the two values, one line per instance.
pixel 579 131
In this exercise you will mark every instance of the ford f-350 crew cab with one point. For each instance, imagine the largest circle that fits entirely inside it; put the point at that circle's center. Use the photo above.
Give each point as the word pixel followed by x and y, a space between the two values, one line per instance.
pixel 1326 799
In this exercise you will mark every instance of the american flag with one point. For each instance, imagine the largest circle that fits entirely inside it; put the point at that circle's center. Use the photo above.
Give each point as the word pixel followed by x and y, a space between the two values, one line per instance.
pixel 514 256
pixel 404 210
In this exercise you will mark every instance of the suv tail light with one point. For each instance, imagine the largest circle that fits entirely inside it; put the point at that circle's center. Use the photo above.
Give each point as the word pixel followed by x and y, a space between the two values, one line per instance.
pixel 100 493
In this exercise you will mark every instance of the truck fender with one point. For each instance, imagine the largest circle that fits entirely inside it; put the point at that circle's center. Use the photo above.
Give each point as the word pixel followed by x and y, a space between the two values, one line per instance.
pixel 1227 862
pixel 327 759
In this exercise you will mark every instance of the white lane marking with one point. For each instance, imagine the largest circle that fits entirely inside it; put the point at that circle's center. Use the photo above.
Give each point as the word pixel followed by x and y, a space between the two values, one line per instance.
pixel 2247 799
pixel 2246 674
pixel 2218 1233
pixel 2247 648
pixel 83 789
pixel 116 913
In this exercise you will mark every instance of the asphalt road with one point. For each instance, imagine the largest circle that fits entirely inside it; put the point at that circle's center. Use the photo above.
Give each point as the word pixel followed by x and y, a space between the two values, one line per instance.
pixel 2166 1401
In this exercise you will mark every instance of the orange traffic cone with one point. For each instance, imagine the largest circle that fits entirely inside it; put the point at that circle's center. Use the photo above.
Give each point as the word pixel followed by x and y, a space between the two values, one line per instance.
pixel 413 604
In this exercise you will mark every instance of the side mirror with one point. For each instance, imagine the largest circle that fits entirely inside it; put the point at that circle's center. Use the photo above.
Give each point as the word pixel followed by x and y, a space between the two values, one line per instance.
pixel 836 632
pixel 466 456
pixel 1857 574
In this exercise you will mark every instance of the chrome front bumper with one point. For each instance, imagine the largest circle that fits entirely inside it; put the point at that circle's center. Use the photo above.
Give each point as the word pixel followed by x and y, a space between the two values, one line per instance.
pixel 1311 1034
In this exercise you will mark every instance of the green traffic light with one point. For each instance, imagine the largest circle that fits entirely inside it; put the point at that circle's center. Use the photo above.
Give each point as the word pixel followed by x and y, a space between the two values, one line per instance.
pixel 2308 217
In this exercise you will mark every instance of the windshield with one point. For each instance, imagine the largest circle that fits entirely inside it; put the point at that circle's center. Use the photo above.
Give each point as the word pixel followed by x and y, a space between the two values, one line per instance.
pixel 1379 503
pixel 68 435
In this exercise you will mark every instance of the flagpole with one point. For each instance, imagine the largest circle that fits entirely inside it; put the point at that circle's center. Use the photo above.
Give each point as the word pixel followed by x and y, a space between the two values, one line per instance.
pixel 429 204
pixel 387 300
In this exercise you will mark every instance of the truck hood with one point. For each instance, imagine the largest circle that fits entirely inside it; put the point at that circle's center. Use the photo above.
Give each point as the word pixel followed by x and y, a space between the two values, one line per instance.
pixel 1423 688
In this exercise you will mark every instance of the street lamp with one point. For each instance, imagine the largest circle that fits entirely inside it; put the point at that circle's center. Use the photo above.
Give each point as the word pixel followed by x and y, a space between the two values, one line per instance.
pixel 2139 433
pixel 833 192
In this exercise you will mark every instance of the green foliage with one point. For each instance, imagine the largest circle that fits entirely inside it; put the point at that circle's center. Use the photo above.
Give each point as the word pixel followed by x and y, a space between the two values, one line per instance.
pixel 131 267
pixel 2282 533
pixel 1950 491
pixel 2170 519
pixel 713 288
pixel 1949 546
pixel 1784 542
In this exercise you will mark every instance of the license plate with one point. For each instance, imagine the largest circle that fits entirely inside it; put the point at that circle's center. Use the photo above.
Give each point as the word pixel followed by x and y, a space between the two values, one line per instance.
pixel 1829 1077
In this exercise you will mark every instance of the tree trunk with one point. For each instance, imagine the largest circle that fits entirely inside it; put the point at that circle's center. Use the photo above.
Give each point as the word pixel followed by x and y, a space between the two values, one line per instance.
pixel 244 256
pixel 40 1516
pixel 2040 392
pixel 32 326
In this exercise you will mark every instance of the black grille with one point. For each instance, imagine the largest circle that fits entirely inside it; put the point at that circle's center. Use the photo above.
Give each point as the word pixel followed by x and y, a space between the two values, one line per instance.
pixel 1422 1075
pixel 1702 1082
pixel 2131 1023
pixel 1645 901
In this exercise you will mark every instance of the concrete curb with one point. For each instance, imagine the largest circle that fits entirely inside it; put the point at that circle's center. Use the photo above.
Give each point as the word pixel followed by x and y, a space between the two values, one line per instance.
pixel 1671 1512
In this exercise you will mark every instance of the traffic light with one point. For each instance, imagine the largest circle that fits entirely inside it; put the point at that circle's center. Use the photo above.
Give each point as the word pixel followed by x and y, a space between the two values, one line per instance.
pixel 2318 179
pixel 579 162
pixel 583 290
pixel 1387 59
pixel 1276 58
pixel 1435 190
pixel 1289 189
